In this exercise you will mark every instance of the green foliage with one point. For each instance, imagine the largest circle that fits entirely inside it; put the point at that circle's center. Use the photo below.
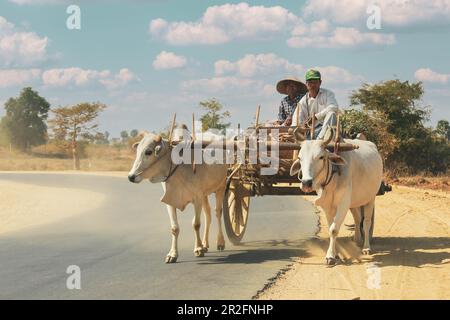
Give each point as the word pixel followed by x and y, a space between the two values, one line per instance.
pixel 124 135
pixel 398 101
pixel 24 123
pixel 415 148
pixel 443 129
pixel 213 118
pixel 72 123
pixel 374 125
pixel 134 133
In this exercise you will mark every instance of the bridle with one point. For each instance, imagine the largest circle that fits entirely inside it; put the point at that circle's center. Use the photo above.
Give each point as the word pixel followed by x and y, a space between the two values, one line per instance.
pixel 172 167
pixel 329 176
pixel 330 172
pixel 175 167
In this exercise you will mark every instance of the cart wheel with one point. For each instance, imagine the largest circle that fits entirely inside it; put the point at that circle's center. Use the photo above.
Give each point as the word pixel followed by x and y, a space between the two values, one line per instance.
pixel 235 211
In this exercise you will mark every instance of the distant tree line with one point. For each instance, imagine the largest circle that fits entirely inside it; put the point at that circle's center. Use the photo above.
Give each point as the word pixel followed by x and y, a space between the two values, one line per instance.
pixel 26 124
pixel 388 113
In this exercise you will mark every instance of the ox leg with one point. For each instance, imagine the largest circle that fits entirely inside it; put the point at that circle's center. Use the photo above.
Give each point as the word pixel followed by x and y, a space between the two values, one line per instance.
pixel 198 248
pixel 357 216
pixel 220 238
pixel 368 212
pixel 341 211
pixel 207 212
pixel 172 256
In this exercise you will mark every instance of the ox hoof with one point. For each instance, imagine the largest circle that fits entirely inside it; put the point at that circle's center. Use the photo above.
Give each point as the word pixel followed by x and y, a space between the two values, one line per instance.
pixel 199 252
pixel 205 249
pixel 220 247
pixel 331 261
pixel 366 251
pixel 170 259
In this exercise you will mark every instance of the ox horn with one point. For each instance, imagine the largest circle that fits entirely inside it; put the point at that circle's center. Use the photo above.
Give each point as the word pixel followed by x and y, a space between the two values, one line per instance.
pixel 172 127
pixel 298 135
pixel 328 136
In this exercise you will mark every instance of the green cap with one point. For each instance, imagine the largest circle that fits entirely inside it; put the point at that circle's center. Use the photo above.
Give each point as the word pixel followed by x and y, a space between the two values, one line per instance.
pixel 313 75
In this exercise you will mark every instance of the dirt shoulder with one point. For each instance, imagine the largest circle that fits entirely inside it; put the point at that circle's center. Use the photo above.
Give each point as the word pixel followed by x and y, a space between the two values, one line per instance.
pixel 410 260
pixel 25 206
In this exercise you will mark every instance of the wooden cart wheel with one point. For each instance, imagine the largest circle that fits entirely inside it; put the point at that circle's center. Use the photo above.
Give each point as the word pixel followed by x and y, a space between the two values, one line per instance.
pixel 235 211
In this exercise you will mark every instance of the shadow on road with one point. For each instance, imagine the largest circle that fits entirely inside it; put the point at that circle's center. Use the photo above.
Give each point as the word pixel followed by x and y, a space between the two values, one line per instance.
pixel 399 251
pixel 261 251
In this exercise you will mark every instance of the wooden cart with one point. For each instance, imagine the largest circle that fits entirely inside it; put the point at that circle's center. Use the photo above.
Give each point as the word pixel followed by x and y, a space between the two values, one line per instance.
pixel 244 181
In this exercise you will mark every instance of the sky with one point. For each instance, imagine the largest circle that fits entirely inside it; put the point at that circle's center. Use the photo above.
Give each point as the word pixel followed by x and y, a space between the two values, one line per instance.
pixel 147 59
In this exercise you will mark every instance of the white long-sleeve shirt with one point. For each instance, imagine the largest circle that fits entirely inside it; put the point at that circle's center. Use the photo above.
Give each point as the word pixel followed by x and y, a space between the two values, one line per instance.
pixel 323 103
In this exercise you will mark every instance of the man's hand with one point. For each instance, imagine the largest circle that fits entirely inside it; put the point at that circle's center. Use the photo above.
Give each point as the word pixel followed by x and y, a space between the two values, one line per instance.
pixel 287 122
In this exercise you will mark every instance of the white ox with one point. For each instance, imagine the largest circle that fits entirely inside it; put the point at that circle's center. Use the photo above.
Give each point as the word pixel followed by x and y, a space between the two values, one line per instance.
pixel 355 188
pixel 181 187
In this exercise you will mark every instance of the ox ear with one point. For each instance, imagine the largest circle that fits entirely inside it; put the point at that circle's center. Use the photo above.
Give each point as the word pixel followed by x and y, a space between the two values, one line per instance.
pixel 337 159
pixel 295 168
pixel 135 145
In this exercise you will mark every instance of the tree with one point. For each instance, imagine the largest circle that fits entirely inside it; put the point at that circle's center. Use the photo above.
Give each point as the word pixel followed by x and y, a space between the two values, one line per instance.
pixel 134 133
pixel 24 123
pixel 416 147
pixel 100 138
pixel 213 119
pixel 443 129
pixel 399 101
pixel 71 123
pixel 374 125
pixel 124 135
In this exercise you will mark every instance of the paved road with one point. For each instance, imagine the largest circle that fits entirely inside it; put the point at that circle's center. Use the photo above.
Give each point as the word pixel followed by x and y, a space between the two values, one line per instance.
pixel 120 247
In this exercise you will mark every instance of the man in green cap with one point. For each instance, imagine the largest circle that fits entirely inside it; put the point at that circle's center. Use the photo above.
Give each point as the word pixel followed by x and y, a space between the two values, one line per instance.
pixel 319 102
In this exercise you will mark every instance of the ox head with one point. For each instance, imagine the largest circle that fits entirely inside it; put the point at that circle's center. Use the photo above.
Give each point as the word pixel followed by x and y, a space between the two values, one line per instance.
pixel 147 164
pixel 313 160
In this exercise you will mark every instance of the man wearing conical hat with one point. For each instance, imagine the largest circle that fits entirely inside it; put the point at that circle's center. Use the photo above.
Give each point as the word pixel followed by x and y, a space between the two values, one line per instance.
pixel 294 90
pixel 319 102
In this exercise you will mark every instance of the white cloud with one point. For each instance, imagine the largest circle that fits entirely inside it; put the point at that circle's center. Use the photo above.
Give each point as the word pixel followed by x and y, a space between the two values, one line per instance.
pixel 221 24
pixel 338 38
pixel 256 75
pixel 397 13
pixel 119 80
pixel 314 28
pixel 428 75
pixel 168 60
pixel 18 77
pixel 72 76
pixel 261 64
pixel 337 75
pixel 80 77
pixel 19 48
pixel 218 84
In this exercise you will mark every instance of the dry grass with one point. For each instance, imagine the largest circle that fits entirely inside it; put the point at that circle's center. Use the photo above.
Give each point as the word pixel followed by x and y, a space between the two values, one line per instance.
pixel 99 158
pixel 423 182
pixel 114 158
